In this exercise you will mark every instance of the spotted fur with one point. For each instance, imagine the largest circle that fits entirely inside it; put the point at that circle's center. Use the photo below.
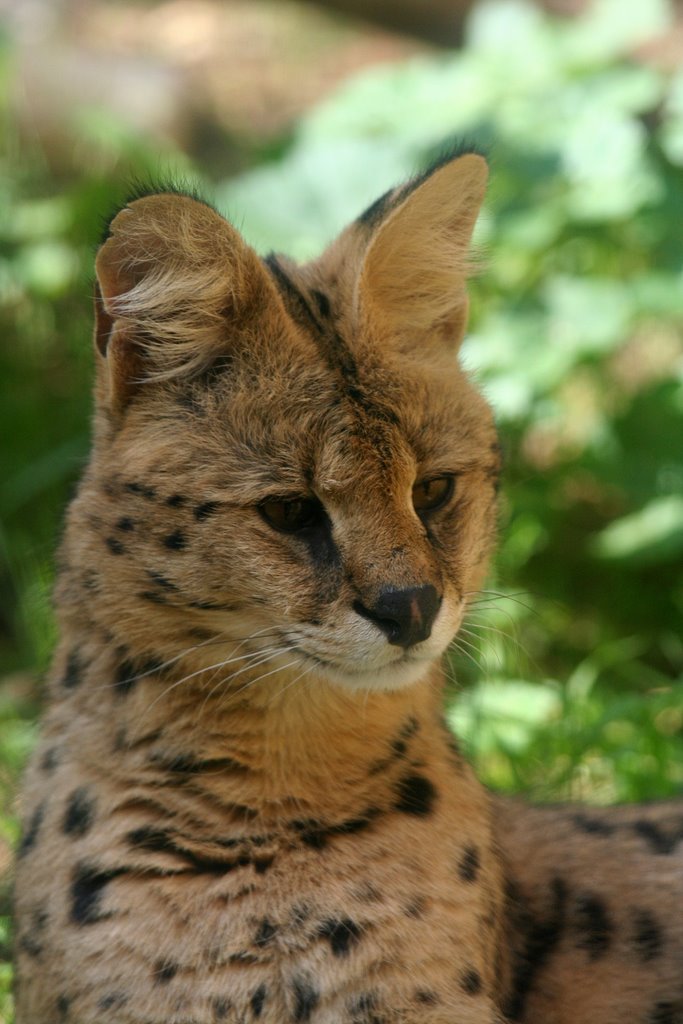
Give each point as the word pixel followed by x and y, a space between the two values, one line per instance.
pixel 245 806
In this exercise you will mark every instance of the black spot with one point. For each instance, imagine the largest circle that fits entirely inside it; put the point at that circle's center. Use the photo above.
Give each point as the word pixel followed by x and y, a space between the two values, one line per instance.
pixel 125 677
pixel 49 760
pixel 316 834
pixel 128 673
pixel 87 887
pixel 416 906
pixel 541 938
pixel 159 840
pixel 142 490
pixel 593 826
pixel 30 945
pixel 149 665
pixel 112 1001
pixel 198 633
pixel 300 914
pixel 175 541
pixel 188 764
pixel 663 1013
pixel 206 509
pixel 426 997
pixel 660 842
pixel 176 500
pixel 594 926
pixel 367 892
pixel 322 302
pixel 63 1004
pixel 39 919
pixel 125 524
pixel 306 998
pixel 164 971
pixel 352 825
pixel 30 833
pixel 221 1007
pixel 416 795
pixel 115 546
pixel 214 606
pixel 363 1007
pixel 342 934
pixel 258 999
pixel 160 580
pixel 80 810
pixel 243 958
pixel 91 580
pixel 468 867
pixel 153 596
pixel 647 935
pixel 399 745
pixel 72 674
pixel 313 833
pixel 265 933
pixel 470 982
pixel 151 839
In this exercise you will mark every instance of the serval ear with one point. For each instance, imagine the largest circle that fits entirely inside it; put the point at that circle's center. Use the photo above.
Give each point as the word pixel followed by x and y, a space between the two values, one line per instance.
pixel 413 280
pixel 174 282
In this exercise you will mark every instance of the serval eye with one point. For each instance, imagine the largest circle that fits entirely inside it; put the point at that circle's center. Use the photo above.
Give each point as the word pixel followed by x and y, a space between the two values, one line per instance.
pixel 291 514
pixel 428 495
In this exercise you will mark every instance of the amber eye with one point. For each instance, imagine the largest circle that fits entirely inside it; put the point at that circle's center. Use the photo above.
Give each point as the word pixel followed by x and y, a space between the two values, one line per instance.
pixel 428 495
pixel 291 514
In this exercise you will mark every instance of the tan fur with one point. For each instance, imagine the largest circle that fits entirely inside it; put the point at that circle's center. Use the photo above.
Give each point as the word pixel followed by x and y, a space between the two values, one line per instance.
pixel 244 805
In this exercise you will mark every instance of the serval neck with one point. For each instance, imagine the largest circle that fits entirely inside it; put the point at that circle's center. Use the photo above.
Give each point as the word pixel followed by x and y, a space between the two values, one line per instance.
pixel 274 743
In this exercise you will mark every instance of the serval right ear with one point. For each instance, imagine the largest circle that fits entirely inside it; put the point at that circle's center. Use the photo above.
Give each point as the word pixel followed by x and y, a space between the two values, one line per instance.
pixel 175 282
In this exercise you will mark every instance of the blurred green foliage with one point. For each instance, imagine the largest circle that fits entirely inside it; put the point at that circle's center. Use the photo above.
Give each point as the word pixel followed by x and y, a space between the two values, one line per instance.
pixel 571 666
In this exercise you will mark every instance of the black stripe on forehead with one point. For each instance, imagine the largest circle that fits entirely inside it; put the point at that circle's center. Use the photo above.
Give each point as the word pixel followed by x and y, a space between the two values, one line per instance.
pixel 296 302
pixel 329 342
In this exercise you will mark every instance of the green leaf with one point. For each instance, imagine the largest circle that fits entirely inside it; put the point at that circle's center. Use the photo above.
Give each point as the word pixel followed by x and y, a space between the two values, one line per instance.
pixel 671 132
pixel 419 102
pixel 603 156
pixel 607 29
pixel 587 315
pixel 503 712
pixel 326 185
pixel 48 267
pixel 653 534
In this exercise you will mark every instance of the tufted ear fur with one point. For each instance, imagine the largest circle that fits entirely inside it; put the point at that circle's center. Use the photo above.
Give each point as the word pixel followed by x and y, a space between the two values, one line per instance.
pixel 413 280
pixel 174 281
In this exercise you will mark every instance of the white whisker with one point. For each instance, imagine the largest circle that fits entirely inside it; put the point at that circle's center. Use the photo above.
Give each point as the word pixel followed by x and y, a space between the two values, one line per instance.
pixel 272 653
pixel 221 664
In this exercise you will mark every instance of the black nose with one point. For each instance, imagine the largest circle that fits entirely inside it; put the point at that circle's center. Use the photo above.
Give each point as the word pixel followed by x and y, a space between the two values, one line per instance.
pixel 405 616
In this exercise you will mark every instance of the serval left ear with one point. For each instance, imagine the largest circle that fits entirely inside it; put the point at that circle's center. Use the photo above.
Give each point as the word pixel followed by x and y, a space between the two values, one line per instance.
pixel 413 279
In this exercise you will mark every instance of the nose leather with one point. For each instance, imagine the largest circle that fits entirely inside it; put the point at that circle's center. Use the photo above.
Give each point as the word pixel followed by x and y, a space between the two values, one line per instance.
pixel 405 616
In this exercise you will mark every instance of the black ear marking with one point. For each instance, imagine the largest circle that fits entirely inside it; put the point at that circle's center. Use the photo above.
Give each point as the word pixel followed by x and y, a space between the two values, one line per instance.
pixel 384 204
pixel 445 154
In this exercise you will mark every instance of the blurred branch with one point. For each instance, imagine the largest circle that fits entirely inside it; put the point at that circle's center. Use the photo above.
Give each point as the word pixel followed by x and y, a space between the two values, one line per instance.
pixel 436 21
pixel 439 22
